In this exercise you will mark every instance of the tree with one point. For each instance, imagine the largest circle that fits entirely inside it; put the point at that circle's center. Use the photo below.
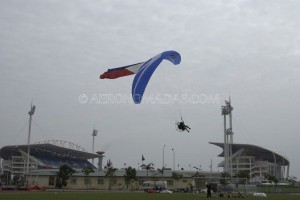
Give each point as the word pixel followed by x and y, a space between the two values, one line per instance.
pixel 271 178
pixel 64 173
pixel 160 171
pixel 148 167
pixel 198 174
pixel 176 176
pixel 87 170
pixel 130 174
pixel 110 174
pixel 244 175
pixel 224 176
pixel 292 180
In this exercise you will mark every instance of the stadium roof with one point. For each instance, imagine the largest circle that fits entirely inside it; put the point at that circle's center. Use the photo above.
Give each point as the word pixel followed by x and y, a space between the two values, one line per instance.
pixel 45 149
pixel 256 151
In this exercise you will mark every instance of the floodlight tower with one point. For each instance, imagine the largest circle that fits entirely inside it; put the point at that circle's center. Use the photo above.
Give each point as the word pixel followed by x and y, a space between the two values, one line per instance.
pixel 163 162
pixel 228 137
pixel 224 113
pixel 230 133
pixel 173 159
pixel 30 113
pixel 95 132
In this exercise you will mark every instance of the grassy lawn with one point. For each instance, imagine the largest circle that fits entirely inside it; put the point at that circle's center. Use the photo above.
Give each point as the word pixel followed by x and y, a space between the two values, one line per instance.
pixel 116 196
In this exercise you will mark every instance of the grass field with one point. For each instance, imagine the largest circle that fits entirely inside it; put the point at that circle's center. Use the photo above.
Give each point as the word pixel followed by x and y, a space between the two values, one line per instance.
pixel 118 196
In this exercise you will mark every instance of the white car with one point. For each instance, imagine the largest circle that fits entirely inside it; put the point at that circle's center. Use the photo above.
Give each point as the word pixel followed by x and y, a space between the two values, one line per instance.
pixel 266 182
pixel 166 192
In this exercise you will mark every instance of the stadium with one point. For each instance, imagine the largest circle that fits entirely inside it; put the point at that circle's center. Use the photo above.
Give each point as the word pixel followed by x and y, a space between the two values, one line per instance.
pixel 39 163
pixel 257 161
pixel 46 157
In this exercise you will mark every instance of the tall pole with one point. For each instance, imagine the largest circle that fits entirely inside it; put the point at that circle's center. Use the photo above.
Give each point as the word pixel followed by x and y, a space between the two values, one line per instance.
pixel 231 134
pixel 225 144
pixel 163 163
pixel 94 134
pixel 228 137
pixel 173 159
pixel 30 113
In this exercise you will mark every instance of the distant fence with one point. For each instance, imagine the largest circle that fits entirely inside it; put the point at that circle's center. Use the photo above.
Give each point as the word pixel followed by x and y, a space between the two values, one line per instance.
pixel 278 189
pixel 223 185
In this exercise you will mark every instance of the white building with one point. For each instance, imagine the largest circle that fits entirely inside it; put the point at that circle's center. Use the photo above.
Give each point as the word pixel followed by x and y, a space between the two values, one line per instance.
pixel 258 161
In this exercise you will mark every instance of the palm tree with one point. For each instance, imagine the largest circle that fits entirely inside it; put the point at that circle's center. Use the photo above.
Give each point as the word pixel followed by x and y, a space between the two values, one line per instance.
pixel 177 176
pixel 130 174
pixel 271 178
pixel 292 180
pixel 161 171
pixel 244 175
pixel 225 176
pixel 110 174
pixel 148 167
pixel 87 170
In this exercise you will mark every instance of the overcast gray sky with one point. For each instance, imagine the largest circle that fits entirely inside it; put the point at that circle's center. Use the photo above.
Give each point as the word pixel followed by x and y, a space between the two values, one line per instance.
pixel 53 51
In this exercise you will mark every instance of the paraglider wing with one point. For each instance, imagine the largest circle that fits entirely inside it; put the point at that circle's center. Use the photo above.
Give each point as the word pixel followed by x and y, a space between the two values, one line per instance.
pixel 121 71
pixel 145 72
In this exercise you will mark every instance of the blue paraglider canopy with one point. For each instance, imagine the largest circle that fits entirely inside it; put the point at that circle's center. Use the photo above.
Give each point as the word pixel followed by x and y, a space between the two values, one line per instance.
pixel 144 74
pixel 143 71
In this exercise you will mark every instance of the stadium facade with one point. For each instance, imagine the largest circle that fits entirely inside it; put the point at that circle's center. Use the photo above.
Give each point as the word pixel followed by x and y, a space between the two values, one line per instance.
pixel 259 162
pixel 46 155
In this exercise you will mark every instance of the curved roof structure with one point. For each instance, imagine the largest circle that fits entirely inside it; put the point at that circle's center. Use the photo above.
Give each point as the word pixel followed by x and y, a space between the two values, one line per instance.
pixel 256 151
pixel 45 149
